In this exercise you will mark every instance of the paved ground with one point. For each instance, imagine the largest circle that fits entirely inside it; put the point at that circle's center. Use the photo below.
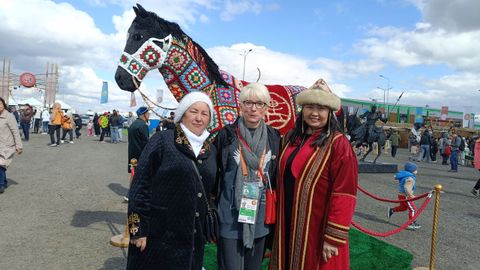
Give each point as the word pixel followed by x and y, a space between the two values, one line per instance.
pixel 63 205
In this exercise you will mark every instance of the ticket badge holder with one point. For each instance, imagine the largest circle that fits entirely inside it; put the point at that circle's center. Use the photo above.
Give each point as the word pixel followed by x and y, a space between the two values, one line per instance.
pixel 249 203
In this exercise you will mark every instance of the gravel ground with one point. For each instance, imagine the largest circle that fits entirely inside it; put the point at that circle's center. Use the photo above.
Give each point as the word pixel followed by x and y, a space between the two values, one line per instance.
pixel 64 204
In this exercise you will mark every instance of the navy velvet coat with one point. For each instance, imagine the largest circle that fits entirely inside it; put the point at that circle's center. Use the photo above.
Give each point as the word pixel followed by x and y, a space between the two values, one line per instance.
pixel 166 203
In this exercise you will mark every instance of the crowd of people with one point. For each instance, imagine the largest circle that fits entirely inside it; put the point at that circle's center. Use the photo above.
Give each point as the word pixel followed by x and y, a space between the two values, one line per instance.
pixel 452 147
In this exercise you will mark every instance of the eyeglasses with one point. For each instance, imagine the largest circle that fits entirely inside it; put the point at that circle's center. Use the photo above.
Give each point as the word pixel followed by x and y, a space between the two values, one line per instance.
pixel 258 104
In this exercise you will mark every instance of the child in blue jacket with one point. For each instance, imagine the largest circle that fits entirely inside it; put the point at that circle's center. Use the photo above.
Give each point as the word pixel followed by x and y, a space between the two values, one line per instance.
pixel 406 186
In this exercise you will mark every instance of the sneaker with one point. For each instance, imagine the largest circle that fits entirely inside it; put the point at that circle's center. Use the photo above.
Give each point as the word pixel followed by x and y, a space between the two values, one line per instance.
pixel 53 145
pixel 125 198
pixel 71 142
pixel 389 213
pixel 62 141
pixel 414 226
pixel 2 189
pixel 476 192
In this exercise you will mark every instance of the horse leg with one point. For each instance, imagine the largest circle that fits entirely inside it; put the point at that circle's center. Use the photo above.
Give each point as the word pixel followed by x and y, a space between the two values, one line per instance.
pixel 370 146
pixel 379 153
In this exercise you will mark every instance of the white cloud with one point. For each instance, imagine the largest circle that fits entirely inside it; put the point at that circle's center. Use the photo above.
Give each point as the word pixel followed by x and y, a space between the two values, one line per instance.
pixel 275 67
pixel 424 46
pixel 234 8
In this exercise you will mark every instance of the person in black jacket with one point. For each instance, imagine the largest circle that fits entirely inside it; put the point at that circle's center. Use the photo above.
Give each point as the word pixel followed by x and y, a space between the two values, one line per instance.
pixel 138 135
pixel 247 158
pixel 170 190
pixel 78 125
pixel 425 142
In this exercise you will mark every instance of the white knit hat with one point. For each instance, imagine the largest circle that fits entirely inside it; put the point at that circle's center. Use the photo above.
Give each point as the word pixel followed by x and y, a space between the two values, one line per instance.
pixel 319 93
pixel 188 100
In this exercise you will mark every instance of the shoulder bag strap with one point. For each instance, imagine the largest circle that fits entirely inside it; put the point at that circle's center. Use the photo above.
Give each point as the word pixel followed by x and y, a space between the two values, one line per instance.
pixel 205 195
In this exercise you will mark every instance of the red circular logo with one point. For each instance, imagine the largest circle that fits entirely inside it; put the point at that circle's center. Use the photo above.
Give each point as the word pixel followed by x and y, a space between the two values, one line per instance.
pixel 27 80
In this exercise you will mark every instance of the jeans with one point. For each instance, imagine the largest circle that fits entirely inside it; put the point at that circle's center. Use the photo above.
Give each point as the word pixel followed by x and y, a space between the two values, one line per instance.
pixel 120 133
pixel 26 130
pixel 114 138
pixel 454 160
pixel 45 126
pixel 424 150
pixel 3 177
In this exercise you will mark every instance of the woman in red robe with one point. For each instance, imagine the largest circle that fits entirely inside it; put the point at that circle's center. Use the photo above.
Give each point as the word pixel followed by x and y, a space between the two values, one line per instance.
pixel 317 184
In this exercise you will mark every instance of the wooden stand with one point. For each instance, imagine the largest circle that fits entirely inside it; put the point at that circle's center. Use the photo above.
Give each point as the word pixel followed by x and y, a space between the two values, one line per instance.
pixel 122 240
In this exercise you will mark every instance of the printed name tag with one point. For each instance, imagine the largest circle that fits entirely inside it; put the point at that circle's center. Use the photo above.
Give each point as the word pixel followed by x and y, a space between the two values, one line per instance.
pixel 248 211
pixel 249 203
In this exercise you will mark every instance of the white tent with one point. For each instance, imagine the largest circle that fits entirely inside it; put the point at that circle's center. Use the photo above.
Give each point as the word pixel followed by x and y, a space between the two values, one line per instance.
pixel 32 101
pixel 11 102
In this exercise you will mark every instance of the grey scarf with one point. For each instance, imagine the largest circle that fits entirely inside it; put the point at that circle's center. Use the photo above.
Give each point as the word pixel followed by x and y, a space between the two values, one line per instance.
pixel 257 144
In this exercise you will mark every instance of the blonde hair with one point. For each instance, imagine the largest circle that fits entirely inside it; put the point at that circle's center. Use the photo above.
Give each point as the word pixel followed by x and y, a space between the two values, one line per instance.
pixel 255 90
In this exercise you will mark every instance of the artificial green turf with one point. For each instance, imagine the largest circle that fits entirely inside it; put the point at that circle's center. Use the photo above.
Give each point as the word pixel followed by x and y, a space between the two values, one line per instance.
pixel 366 252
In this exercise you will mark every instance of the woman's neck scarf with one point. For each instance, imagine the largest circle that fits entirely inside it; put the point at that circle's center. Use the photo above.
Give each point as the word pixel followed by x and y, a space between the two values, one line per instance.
pixel 251 147
pixel 195 141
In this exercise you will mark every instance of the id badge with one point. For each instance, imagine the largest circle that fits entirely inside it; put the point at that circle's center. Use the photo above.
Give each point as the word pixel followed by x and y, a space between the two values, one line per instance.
pixel 249 203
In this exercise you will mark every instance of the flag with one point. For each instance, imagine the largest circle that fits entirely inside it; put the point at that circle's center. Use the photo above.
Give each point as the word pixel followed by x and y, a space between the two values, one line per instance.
pixel 419 115
pixel 104 97
pixel 133 101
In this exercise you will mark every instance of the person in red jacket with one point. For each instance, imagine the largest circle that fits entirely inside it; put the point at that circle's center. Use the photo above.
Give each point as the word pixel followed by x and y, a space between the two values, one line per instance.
pixel 316 188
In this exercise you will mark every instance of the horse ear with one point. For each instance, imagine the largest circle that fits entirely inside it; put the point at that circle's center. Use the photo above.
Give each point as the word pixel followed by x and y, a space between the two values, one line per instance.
pixel 136 11
pixel 143 12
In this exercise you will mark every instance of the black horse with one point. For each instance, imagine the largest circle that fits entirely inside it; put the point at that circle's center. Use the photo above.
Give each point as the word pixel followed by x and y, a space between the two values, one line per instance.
pixel 359 135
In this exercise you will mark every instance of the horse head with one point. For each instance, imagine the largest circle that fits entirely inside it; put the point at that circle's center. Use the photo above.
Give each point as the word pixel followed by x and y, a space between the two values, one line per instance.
pixel 155 43
pixel 149 46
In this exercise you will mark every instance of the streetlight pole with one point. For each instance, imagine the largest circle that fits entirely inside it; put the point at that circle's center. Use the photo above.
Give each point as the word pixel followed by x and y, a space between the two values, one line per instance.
pixel 385 101
pixel 244 54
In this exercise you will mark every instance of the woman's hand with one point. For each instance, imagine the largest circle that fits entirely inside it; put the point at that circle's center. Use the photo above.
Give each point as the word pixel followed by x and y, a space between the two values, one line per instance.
pixel 19 151
pixel 328 251
pixel 140 243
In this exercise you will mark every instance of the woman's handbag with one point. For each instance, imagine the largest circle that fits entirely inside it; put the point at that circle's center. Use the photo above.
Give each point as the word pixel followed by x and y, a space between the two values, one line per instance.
pixel 448 150
pixel 271 207
pixel 212 228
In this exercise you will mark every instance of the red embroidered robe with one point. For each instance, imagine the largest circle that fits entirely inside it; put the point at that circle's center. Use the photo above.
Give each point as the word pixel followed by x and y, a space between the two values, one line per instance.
pixel 336 160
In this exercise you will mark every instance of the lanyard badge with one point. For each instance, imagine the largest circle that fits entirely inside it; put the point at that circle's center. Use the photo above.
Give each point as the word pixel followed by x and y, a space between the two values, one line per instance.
pixel 251 193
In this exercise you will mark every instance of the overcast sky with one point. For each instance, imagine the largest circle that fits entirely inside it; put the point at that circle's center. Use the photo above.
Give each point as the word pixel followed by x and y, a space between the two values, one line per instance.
pixel 428 48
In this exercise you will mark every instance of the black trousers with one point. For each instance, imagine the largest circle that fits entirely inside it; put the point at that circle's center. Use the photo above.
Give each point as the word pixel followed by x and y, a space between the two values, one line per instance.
pixel 232 255
pixel 477 185
pixel 104 132
pixel 69 132
pixel 394 150
pixel 55 129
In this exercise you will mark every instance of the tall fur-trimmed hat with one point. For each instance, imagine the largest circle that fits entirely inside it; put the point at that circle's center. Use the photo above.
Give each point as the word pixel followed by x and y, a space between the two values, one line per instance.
pixel 319 93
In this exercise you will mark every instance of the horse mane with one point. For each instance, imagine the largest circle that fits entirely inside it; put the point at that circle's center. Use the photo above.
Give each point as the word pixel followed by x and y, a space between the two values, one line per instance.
pixel 149 19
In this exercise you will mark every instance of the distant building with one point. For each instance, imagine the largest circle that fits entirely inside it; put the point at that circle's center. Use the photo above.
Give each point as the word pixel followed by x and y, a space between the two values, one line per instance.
pixel 401 113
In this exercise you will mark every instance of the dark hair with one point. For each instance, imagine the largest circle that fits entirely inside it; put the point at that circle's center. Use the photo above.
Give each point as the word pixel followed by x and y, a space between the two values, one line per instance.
pixel 5 107
pixel 298 132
